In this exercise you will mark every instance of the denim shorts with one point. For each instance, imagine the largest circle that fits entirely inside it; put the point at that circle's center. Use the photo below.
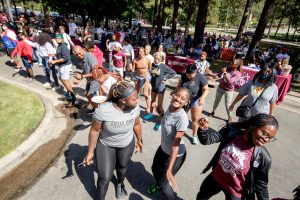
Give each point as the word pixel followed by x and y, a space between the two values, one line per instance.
pixel 27 65
pixel 194 103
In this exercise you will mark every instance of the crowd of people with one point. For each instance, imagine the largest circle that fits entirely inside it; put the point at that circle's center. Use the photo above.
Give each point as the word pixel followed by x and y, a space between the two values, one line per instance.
pixel 116 128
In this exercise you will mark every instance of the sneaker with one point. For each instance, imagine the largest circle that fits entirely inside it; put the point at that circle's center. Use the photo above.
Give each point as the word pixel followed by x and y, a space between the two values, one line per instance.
pixel 121 192
pixel 47 85
pixel 195 140
pixel 17 69
pixel 152 189
pixel 157 126
pixel 56 88
pixel 148 116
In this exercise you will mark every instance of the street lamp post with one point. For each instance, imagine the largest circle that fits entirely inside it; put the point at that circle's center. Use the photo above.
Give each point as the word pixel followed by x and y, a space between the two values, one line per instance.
pixel 9 10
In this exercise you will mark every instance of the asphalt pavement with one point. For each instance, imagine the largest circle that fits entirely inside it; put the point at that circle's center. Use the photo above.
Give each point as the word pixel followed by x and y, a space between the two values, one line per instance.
pixel 64 181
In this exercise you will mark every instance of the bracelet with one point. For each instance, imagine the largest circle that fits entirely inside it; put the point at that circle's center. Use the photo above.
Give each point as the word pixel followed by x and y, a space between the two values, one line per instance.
pixel 90 154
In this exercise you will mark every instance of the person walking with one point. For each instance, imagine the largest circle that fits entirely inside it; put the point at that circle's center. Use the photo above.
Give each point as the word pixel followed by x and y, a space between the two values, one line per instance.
pixel 45 49
pixel 159 74
pixel 25 51
pixel 63 60
pixel 262 90
pixel 226 87
pixel 197 83
pixel 241 164
pixel 171 154
pixel 112 136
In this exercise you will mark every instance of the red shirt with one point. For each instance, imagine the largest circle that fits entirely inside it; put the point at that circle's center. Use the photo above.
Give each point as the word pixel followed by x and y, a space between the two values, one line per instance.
pixel 233 165
pixel 98 55
pixel 119 59
pixel 23 49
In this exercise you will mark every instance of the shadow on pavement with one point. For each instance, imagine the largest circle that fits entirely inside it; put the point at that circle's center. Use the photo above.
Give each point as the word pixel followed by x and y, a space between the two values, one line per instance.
pixel 139 179
pixel 74 155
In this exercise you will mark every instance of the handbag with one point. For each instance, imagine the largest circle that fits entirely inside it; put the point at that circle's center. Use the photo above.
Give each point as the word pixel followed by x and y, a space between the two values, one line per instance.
pixel 245 111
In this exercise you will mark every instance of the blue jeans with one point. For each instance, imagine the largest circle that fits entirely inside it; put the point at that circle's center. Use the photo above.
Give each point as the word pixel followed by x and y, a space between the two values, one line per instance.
pixel 47 70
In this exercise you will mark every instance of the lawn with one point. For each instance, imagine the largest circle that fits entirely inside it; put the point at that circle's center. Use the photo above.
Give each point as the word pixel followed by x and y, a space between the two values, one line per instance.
pixel 20 114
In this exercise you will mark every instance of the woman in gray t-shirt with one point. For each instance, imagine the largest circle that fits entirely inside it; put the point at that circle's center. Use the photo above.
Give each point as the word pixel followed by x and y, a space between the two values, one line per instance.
pixel 171 154
pixel 114 124
pixel 263 81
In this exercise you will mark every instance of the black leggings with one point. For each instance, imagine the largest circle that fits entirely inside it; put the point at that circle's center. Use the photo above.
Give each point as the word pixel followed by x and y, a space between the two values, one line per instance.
pixel 110 158
pixel 159 169
pixel 210 187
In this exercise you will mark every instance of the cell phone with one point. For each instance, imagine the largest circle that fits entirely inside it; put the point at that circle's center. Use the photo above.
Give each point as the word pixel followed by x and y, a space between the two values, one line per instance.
pixel 83 164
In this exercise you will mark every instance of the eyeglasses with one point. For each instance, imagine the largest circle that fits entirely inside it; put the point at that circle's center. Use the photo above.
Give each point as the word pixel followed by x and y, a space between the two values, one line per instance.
pixel 265 135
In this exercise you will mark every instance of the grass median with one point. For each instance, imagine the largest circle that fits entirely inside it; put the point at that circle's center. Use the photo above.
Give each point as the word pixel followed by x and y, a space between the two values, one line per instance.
pixel 20 114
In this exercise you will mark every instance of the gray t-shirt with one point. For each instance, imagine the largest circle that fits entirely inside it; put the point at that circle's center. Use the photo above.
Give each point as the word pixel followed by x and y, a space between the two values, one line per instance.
pixel 88 62
pixel 117 126
pixel 252 91
pixel 171 123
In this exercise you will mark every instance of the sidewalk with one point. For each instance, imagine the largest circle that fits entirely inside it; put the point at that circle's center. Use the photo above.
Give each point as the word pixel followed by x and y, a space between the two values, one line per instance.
pixel 64 181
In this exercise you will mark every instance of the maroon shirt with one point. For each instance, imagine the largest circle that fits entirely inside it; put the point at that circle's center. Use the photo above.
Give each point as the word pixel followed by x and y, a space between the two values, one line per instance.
pixel 229 79
pixel 233 165
pixel 118 59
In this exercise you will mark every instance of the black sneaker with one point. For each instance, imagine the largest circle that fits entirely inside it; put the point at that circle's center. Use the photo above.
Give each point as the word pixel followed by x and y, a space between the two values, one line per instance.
pixel 121 192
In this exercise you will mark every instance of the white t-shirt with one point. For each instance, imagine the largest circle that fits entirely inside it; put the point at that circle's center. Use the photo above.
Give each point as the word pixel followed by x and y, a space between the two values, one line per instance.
pixel 109 82
pixel 72 28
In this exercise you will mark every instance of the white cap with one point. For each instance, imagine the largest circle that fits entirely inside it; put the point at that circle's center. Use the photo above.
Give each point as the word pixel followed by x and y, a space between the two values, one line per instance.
pixel 118 44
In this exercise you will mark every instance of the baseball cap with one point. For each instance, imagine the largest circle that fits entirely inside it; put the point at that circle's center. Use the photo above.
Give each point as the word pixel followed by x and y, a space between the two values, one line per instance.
pixel 118 44
pixel 59 35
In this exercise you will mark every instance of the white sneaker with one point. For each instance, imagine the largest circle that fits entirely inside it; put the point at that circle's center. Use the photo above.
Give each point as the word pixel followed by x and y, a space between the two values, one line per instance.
pixel 47 85
pixel 56 88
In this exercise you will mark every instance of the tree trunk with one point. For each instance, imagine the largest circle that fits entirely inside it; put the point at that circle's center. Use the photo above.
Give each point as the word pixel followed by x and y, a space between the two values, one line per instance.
pixel 279 24
pixel 155 14
pixel 188 21
pixel 200 21
pixel 160 15
pixel 15 7
pixel 130 20
pixel 294 33
pixel 175 16
pixel 271 24
pixel 287 33
pixel 244 19
pixel 263 21
pixel 3 6
pixel 106 22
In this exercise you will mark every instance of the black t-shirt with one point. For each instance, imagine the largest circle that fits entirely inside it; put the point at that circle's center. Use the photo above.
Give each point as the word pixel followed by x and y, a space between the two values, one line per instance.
pixel 195 85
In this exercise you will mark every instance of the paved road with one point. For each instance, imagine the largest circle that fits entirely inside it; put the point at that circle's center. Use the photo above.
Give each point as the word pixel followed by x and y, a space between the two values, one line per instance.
pixel 64 181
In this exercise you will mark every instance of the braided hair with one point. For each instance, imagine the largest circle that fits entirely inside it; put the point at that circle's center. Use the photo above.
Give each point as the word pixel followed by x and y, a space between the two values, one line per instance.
pixel 258 120
pixel 119 90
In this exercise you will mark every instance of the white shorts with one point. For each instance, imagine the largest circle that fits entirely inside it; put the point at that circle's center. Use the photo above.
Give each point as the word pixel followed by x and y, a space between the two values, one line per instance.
pixel 64 72
pixel 117 69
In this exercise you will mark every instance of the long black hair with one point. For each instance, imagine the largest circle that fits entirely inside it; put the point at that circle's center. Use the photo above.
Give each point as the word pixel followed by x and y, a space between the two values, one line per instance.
pixel 43 38
pixel 271 77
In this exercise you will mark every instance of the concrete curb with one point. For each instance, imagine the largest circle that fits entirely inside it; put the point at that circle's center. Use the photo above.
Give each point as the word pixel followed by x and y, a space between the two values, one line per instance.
pixel 37 138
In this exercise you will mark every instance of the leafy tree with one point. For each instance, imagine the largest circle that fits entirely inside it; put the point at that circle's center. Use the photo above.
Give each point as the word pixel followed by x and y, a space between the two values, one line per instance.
pixel 263 20
pixel 244 19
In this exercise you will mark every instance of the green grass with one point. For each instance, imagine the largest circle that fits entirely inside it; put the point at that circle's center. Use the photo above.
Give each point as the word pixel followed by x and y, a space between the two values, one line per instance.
pixel 20 114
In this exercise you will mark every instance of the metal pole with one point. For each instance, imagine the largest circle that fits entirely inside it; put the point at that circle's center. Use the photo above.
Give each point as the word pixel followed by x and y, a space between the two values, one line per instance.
pixel 9 10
